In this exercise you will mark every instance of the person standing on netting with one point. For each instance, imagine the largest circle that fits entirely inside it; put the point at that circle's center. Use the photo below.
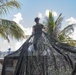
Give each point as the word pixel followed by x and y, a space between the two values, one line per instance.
pixel 37 31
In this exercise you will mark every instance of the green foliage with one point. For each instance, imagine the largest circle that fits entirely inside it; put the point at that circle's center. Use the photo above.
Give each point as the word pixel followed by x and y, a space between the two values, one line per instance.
pixel 57 26
pixel 50 23
pixel 9 28
pixel 6 5
pixel 61 37
pixel 64 35
pixel 53 28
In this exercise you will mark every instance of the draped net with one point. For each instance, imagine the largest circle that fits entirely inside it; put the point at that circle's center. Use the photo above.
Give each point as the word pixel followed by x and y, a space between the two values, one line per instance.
pixel 50 58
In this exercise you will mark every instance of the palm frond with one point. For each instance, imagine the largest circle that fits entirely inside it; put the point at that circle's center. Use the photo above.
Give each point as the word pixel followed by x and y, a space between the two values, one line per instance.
pixel 60 15
pixel 64 35
pixel 12 29
pixel 5 6
pixel 50 23
pixel 57 26
pixel 68 30
pixel 2 34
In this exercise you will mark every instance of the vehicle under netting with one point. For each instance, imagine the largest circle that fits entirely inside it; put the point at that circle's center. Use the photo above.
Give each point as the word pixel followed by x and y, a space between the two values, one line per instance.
pixel 50 58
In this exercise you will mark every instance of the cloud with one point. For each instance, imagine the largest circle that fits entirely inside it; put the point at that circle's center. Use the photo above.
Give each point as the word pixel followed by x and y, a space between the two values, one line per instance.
pixel 47 12
pixel 54 13
pixel 40 15
pixel 17 45
pixel 71 20
pixel 73 35
pixel 4 45
pixel 28 31
pixel 17 18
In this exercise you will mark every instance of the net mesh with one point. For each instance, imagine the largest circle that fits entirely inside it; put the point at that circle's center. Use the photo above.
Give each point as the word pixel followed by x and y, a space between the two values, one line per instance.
pixel 50 58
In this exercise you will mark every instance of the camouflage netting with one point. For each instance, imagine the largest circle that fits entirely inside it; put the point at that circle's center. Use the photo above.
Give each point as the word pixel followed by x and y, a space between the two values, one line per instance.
pixel 50 58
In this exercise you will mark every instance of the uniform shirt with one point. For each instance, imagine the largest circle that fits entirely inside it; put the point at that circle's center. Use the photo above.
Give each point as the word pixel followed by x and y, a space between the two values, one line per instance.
pixel 38 30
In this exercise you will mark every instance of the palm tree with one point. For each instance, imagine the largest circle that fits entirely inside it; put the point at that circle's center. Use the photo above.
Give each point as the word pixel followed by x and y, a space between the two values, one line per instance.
pixel 53 28
pixel 9 28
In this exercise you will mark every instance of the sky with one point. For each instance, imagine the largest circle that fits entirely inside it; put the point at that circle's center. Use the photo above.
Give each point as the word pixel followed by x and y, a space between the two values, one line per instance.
pixel 33 8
